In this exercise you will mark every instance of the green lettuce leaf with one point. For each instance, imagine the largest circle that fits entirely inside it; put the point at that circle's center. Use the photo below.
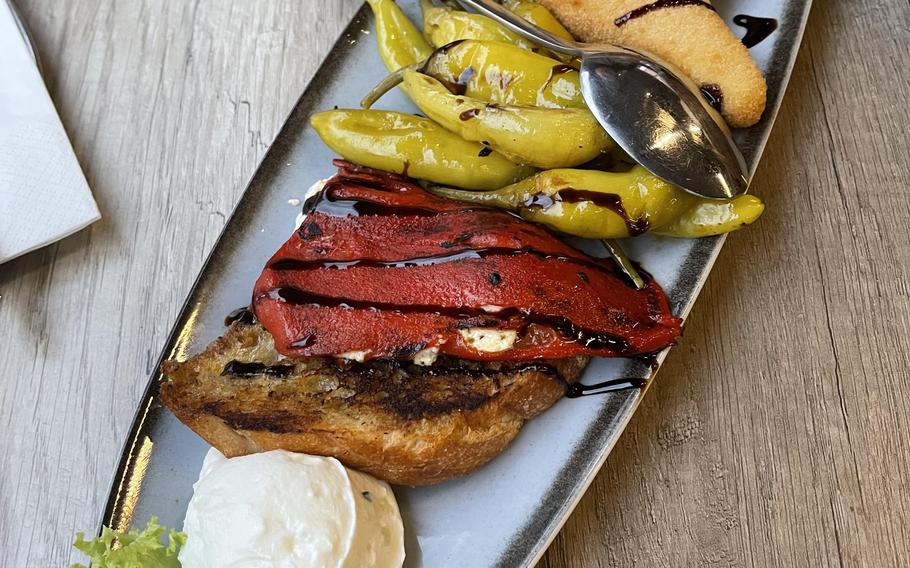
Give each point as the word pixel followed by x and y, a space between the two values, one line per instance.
pixel 134 549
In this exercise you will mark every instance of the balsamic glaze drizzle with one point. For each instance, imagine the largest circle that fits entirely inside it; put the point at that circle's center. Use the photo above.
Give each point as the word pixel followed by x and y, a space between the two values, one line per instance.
pixel 609 201
pixel 446 367
pixel 330 205
pixel 713 95
pixel 327 202
pixel 247 370
pixel 577 390
pixel 469 114
pixel 757 29
pixel 653 6
pixel 460 85
pixel 243 315
pixel 588 338
pixel 469 254
pixel 238 369
pixel 558 70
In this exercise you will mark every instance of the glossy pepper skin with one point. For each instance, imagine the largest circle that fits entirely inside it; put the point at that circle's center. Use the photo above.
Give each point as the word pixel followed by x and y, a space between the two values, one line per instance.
pixel 714 217
pixel 540 16
pixel 382 267
pixel 502 73
pixel 400 42
pixel 443 25
pixel 544 138
pixel 604 205
pixel 414 146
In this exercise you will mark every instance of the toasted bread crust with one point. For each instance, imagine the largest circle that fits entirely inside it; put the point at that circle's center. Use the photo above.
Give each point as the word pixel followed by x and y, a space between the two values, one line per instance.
pixel 693 38
pixel 407 425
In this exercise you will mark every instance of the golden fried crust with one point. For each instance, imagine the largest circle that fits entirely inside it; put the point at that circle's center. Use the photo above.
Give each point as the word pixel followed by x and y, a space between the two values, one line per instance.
pixel 404 424
pixel 693 38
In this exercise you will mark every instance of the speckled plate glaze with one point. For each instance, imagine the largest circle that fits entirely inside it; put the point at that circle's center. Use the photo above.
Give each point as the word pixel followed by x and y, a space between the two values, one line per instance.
pixel 506 513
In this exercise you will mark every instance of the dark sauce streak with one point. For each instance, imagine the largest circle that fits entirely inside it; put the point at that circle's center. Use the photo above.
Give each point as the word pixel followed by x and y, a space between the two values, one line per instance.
pixel 757 29
pixel 464 368
pixel 304 341
pixel 577 390
pixel 561 69
pixel 588 338
pixel 556 71
pixel 616 161
pixel 246 370
pixel 327 203
pixel 462 238
pixel 453 87
pixel 309 230
pixel 713 95
pixel 470 254
pixel 469 114
pixel 445 49
pixel 659 4
pixel 460 85
pixel 609 201
pixel 242 315
pixel 650 360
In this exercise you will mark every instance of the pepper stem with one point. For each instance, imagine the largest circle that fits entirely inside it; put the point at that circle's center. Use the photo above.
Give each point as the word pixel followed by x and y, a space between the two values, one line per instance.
pixel 624 263
pixel 386 85
pixel 492 198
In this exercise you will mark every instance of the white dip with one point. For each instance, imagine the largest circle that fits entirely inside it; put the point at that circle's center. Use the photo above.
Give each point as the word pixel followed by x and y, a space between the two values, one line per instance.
pixel 282 509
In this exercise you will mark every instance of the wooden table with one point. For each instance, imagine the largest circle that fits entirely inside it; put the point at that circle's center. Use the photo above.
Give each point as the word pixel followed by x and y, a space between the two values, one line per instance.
pixel 777 434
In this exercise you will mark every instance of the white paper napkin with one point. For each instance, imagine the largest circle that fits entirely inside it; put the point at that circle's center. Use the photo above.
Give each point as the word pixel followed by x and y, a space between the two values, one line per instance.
pixel 43 194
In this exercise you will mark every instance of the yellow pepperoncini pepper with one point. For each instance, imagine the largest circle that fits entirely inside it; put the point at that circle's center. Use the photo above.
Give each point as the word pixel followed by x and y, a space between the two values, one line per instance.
pixel 540 16
pixel 540 137
pixel 605 205
pixel 414 146
pixel 499 72
pixel 400 42
pixel 443 25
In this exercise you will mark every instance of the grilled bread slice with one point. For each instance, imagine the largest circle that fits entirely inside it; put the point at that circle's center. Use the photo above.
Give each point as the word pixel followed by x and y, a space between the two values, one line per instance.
pixel 400 422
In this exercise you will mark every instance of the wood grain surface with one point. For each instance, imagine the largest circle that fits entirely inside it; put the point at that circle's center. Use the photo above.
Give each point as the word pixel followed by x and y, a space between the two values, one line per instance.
pixel 776 435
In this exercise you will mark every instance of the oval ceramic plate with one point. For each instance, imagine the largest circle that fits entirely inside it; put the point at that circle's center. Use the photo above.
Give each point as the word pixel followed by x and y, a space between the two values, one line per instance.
pixel 506 513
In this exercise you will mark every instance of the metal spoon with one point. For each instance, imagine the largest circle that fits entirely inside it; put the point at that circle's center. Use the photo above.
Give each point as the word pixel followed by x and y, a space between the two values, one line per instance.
pixel 652 112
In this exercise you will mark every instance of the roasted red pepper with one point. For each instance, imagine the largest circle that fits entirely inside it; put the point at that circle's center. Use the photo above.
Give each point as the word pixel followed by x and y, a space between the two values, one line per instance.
pixel 382 267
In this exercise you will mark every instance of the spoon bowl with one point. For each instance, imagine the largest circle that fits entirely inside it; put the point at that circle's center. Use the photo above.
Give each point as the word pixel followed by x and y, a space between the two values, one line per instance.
pixel 663 124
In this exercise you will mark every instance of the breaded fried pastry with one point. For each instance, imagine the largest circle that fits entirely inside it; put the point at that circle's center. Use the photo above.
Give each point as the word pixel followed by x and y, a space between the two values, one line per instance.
pixel 686 33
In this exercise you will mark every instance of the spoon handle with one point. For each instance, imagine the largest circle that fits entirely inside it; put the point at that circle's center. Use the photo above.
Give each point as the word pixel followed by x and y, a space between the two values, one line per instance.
pixel 522 27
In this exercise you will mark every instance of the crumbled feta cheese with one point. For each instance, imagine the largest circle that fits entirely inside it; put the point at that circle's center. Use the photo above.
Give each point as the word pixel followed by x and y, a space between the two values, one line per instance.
pixel 358 356
pixel 426 357
pixel 489 340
